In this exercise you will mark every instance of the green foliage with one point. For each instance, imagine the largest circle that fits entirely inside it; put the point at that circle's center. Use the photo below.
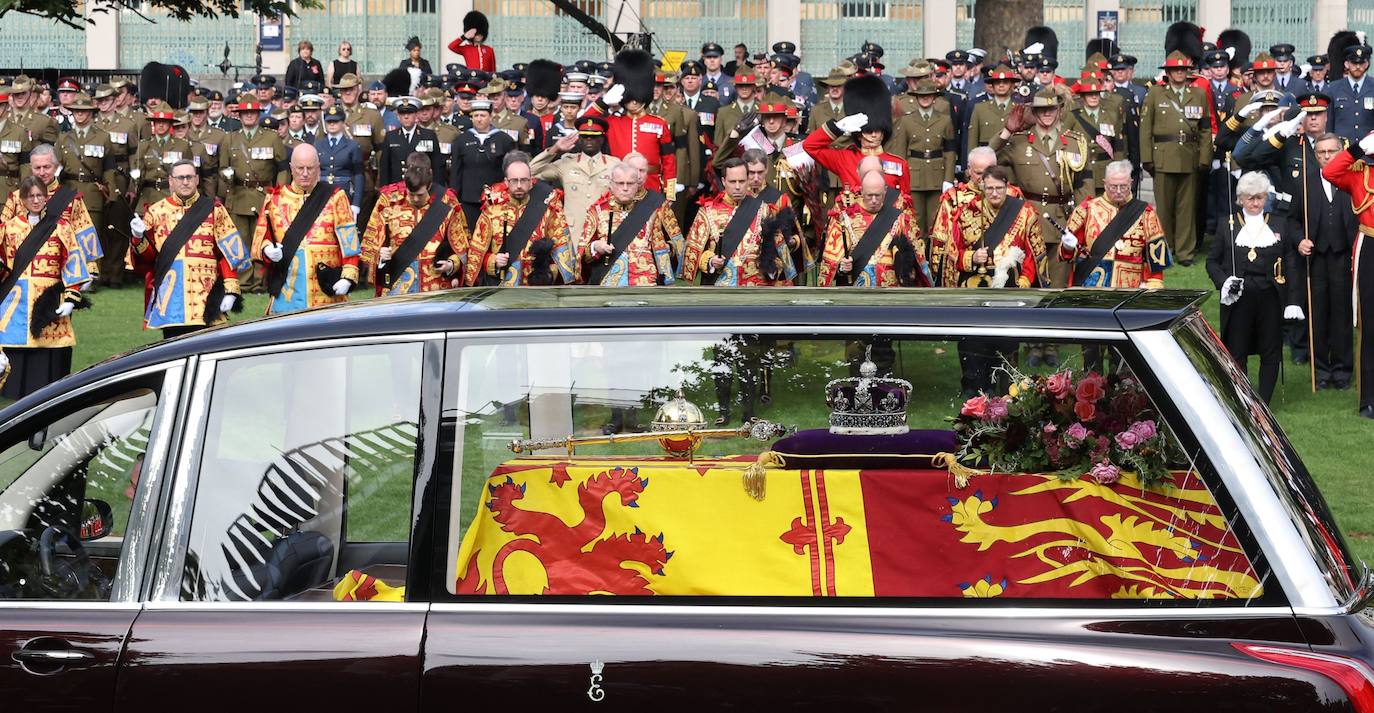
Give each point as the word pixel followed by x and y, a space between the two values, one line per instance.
pixel 70 12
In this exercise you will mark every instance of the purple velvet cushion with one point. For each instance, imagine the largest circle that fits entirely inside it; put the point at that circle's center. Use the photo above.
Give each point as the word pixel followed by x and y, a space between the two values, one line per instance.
pixel 819 448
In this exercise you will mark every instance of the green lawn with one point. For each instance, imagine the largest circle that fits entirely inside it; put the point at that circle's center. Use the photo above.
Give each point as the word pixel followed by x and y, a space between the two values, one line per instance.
pixel 1328 434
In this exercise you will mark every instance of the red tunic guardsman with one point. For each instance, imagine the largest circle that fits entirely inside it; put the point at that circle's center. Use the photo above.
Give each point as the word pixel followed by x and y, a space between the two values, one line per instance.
pixel 471 46
pixel 1350 172
pixel 868 109
pixel 637 131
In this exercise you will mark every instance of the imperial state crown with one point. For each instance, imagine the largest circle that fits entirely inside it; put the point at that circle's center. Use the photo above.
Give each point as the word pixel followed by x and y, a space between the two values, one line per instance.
pixel 869 404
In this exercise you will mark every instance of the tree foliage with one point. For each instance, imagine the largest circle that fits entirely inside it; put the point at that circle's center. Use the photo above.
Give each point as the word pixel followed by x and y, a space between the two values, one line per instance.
pixel 69 12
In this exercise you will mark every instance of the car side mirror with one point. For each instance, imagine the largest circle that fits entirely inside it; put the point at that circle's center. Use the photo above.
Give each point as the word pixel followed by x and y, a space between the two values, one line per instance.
pixel 37 439
pixel 97 519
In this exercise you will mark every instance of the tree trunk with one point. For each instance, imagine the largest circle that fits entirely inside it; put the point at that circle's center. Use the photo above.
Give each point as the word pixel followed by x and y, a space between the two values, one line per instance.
pixel 1000 25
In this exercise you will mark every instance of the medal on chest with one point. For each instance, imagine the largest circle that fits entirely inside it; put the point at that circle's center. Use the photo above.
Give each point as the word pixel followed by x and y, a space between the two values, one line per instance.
pixel 1252 255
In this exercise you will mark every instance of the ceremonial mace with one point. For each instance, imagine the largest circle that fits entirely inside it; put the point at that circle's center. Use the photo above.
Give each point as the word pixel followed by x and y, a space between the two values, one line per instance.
pixel 1311 347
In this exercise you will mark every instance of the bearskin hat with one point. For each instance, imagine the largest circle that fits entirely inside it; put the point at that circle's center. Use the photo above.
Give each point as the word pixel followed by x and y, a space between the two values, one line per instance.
pixel 397 82
pixel 1046 37
pixel 634 70
pixel 1184 37
pixel 868 94
pixel 1103 46
pixel 1335 53
pixel 1240 41
pixel 542 78
pixel 167 82
pixel 475 20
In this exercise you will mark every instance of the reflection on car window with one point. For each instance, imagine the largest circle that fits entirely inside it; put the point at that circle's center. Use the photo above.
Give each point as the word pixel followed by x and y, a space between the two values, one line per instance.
pixel 67 492
pixel 304 484
pixel 823 466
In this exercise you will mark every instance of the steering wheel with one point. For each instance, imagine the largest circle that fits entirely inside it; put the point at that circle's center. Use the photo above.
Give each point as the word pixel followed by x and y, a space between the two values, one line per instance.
pixel 61 578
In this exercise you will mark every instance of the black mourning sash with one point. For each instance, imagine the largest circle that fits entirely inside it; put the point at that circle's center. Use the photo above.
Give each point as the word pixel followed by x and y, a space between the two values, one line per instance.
pixel 28 250
pixel 738 226
pixel 625 234
pixel 1002 223
pixel 877 230
pixel 295 233
pixel 770 195
pixel 417 240
pixel 1117 227
pixel 519 235
pixel 181 233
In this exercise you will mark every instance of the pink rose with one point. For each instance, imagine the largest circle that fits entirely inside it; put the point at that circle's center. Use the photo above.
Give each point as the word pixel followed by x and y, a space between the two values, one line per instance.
pixel 1144 430
pixel 996 410
pixel 1104 473
pixel 1127 439
pixel 1060 385
pixel 1092 387
pixel 1050 428
pixel 974 407
pixel 1085 410
pixel 1076 433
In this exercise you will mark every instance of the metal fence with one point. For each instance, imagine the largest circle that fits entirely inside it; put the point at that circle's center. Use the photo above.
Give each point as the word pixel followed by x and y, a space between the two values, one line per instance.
pixel 831 31
pixel 522 30
pixel 1143 24
pixel 1272 22
pixel 198 45
pixel 684 25
pixel 27 41
pixel 377 29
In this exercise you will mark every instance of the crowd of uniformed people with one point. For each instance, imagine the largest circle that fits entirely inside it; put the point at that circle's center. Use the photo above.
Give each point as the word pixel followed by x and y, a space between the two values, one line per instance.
pixel 1022 169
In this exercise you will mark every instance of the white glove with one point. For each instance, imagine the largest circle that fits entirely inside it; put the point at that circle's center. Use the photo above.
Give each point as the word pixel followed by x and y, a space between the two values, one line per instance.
pixel 1289 128
pixel 1068 241
pixel 946 186
pixel 4 363
pixel 1216 164
pixel 1367 143
pixel 228 172
pixel 1034 48
pixel 681 188
pixel 1231 289
pixel 852 123
pixel 1293 312
pixel 355 210
pixel 65 309
pixel 227 304
pixel 137 226
pixel 613 95
pixel 1230 52
pixel 342 287
pixel 1269 117
pixel 272 251
pixel 1249 109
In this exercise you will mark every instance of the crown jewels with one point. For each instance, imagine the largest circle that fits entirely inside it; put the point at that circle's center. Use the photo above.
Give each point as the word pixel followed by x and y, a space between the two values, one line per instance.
pixel 870 404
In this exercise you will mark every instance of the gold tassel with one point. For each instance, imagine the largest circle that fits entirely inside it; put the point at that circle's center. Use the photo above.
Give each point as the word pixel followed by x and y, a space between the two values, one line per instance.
pixel 755 476
pixel 961 472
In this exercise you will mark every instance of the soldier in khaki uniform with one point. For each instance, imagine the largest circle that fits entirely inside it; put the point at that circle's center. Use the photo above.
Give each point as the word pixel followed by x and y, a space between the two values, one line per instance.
pixel 123 131
pixel 510 122
pixel 577 164
pixel 926 138
pixel 989 114
pixel 682 122
pixel 914 73
pixel 1175 146
pixel 207 144
pixel 88 167
pixel 151 164
pixel 14 148
pixel 746 101
pixel 41 127
pixel 1103 127
pixel 252 160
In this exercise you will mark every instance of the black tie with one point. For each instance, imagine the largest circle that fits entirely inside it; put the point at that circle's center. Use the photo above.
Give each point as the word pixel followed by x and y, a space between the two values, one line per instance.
pixel 333 143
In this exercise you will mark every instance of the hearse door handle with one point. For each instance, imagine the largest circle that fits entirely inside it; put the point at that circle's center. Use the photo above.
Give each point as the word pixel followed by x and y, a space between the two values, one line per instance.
pixel 51 660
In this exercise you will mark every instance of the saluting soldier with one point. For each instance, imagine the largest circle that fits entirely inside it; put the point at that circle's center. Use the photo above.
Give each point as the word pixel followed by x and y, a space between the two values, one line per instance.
pixel 41 127
pixel 155 155
pixel 1115 240
pixel 1352 96
pixel 341 160
pixel 989 113
pixel 188 253
pixel 724 252
pixel 746 99
pixel 306 239
pixel 417 242
pixel 1102 127
pixel 521 237
pixel 579 166
pixel 14 147
pixel 1175 147
pixel 925 136
pixel 88 166
pixel 873 243
pixel 252 162
pixel 629 236
pixel 478 160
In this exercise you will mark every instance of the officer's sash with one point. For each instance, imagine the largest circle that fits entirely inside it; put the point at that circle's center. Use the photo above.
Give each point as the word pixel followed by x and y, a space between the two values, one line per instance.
pixel 738 227
pixel 514 242
pixel 419 237
pixel 992 237
pixel 877 230
pixel 176 240
pixel 623 235
pixel 295 233
pixel 37 236
pixel 1116 228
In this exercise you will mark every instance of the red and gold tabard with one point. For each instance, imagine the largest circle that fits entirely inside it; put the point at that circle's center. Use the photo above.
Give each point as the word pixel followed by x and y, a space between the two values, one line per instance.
pixel 951 202
pixel 391 225
pixel 75 214
pixel 970 225
pixel 214 252
pixel 647 256
pixel 333 241
pixel 500 214
pixel 1137 260
pixel 59 262
pixel 741 269
pixel 846 229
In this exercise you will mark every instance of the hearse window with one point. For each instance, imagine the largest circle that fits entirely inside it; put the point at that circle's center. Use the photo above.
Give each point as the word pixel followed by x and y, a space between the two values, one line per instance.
pixel 304 485
pixel 67 483
pixel 819 466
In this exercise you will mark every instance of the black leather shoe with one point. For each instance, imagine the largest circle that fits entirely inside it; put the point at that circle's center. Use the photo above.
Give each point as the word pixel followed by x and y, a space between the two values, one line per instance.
pixel 1300 359
pixel 1343 384
pixel 1323 385
pixel 1186 263
pixel 1367 411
